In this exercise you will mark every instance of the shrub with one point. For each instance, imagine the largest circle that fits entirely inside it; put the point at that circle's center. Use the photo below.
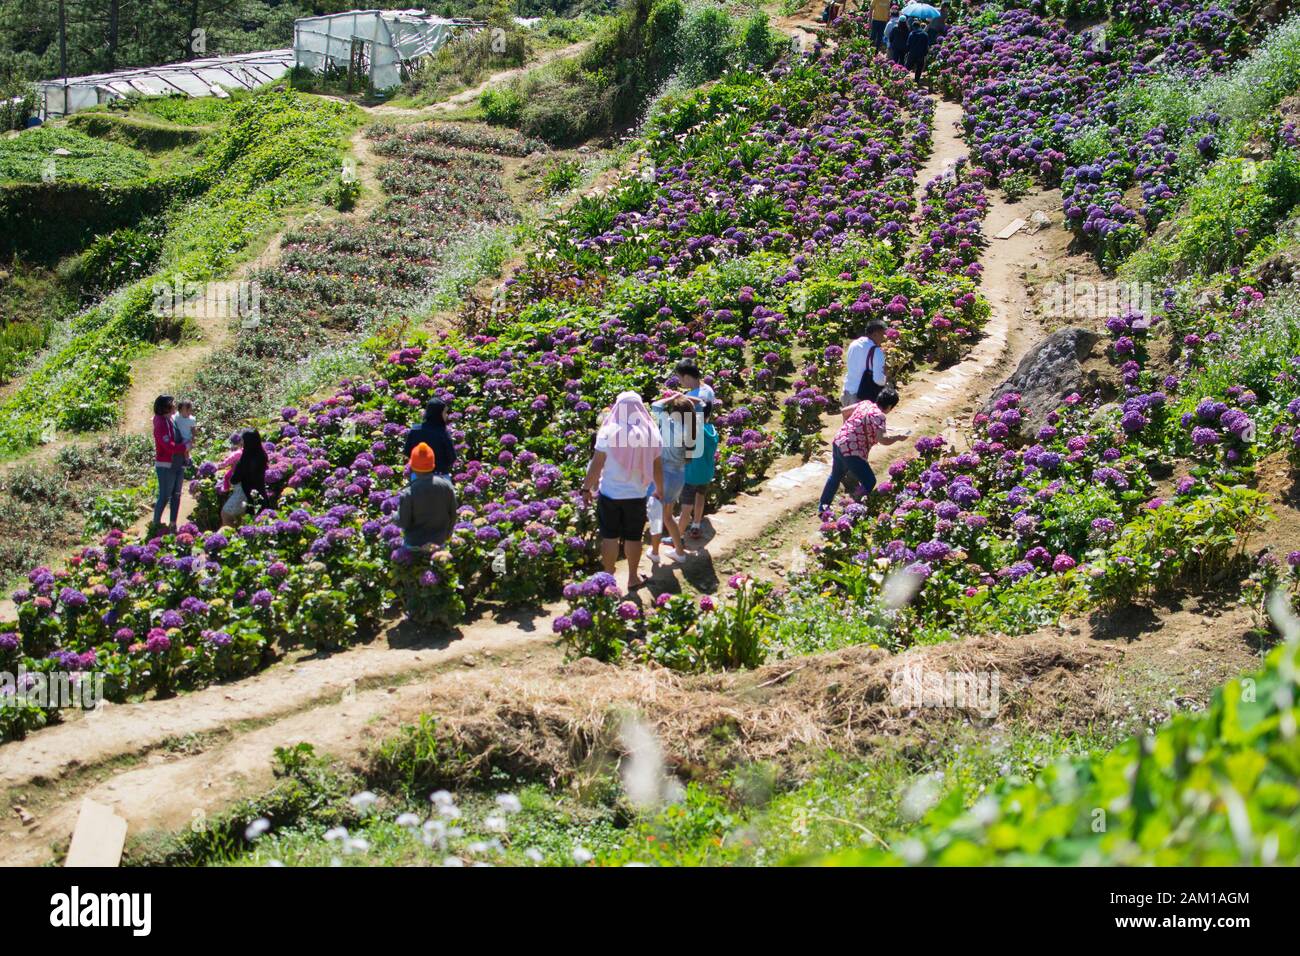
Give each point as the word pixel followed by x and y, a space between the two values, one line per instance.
pixel 705 44
pixel 28 157
pixel 563 113
pixel 503 106
pixel 344 193
pixel 17 103
pixel 1216 788
pixel 1236 206
pixel 724 634
pixel 117 258
pixel 599 623
pixel 560 177
pixel 759 43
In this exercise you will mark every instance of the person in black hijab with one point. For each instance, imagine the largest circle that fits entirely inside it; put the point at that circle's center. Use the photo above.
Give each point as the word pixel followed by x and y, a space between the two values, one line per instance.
pixel 250 470
pixel 433 432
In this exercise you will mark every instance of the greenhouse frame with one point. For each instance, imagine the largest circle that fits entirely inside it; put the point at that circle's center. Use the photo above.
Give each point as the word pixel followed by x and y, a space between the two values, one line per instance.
pixel 375 45
pixel 211 76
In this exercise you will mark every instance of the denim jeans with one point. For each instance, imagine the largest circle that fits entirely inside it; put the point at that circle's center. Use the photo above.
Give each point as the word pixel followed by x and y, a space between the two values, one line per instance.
pixel 170 480
pixel 842 464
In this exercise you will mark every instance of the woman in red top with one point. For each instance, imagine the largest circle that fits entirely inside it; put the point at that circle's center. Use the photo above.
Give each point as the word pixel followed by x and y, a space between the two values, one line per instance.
pixel 864 426
pixel 168 461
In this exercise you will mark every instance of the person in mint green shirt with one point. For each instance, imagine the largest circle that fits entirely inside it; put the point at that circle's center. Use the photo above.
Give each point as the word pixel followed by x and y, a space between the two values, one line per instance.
pixel 700 467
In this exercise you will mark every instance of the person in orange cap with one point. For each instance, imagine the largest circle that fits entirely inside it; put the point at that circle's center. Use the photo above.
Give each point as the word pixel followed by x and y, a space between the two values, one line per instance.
pixel 426 512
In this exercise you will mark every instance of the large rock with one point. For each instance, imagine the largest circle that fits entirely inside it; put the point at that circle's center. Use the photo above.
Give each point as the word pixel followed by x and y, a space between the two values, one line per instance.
pixel 1051 370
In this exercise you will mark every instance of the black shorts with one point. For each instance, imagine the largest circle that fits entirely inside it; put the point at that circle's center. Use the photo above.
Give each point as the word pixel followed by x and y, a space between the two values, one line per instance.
pixel 620 518
pixel 690 491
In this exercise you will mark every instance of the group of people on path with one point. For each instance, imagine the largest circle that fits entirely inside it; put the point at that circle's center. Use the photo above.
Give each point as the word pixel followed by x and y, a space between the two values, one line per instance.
pixel 651 465
pixel 426 508
pixel 906 40
pixel 648 462
pixel 243 472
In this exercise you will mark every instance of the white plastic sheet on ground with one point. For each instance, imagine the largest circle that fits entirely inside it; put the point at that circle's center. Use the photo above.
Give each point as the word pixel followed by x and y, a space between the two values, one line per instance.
pixel 383 42
pixel 195 78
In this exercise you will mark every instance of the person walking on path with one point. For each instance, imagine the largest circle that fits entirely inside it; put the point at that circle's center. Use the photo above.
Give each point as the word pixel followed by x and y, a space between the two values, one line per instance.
pixel 891 26
pixel 864 366
pixel 701 465
pixel 433 432
pixel 864 427
pixel 918 45
pixel 694 387
pixel 426 509
pixel 676 417
pixel 881 10
pixel 898 42
pixel 628 457
pixel 168 462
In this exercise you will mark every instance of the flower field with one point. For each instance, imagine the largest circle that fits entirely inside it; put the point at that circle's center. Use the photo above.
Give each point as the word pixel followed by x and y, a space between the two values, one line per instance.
pixel 756 225
pixel 1118 497
pixel 757 253
pixel 1124 119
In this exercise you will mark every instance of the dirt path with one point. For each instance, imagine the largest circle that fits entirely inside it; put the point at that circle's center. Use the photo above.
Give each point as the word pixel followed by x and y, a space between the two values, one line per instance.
pixel 933 402
pixel 140 758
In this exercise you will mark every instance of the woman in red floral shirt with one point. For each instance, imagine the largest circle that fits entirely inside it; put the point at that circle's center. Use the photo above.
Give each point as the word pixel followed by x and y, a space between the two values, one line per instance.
pixel 864 426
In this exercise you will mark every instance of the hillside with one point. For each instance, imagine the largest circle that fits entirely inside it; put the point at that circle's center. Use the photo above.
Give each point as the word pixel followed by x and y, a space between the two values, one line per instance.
pixel 1060 630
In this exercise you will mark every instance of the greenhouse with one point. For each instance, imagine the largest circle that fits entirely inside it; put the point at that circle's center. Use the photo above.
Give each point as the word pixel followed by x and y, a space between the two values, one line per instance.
pixel 212 76
pixel 375 44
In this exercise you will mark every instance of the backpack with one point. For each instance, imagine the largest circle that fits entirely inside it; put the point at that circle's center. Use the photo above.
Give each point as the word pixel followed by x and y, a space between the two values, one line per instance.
pixel 868 390
pixel 700 469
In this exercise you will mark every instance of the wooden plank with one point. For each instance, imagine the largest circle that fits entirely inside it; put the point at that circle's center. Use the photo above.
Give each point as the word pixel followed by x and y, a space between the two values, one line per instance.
pixel 99 836
pixel 1012 228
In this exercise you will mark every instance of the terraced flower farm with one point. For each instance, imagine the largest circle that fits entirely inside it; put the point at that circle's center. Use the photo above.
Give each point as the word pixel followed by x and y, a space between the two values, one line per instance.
pixel 1072 590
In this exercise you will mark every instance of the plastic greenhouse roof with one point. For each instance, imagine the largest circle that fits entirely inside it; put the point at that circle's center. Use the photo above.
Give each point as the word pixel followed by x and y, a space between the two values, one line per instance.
pixel 194 78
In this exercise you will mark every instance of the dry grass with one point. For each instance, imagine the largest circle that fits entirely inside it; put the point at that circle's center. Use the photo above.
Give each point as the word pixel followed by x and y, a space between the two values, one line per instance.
pixel 561 723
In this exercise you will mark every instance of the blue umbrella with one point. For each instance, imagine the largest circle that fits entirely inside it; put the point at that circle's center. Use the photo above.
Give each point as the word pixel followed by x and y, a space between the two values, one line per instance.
pixel 921 11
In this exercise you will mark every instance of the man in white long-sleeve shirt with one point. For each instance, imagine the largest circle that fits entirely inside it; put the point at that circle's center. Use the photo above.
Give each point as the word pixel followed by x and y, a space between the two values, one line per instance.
pixel 864 366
